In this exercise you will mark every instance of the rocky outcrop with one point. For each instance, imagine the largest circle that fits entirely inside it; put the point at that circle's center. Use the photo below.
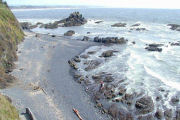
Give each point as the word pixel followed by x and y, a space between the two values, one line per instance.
pixel 75 19
pixel 69 33
pixel 119 25
pixel 114 40
pixel 28 26
pixel 175 27
pixel 154 47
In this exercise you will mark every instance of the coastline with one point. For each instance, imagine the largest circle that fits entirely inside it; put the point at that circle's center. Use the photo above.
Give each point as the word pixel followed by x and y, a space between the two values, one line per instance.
pixel 40 59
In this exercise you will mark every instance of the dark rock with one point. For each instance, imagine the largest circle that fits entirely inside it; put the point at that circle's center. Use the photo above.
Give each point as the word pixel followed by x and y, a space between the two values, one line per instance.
pixel 77 59
pixel 91 52
pixel 168 114
pixel 85 38
pixel 69 33
pixel 122 90
pixel 135 25
pixel 108 53
pixel 75 19
pixel 144 105
pixel 154 47
pixel 175 100
pixel 105 77
pixel 119 25
pixel 25 25
pixel 159 114
pixel 113 111
pixel 92 64
pixel 114 40
pixel 88 32
pixel 49 26
pixel 174 27
pixel 175 44
pixel 124 115
pixel 84 56
pixel 139 29
pixel 147 117
pixel 53 35
pixel 72 64
pixel 177 117
pixel 97 22
pixel 133 42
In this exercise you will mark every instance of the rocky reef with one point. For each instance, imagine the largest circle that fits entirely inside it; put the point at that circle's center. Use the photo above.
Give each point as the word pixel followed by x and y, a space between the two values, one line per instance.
pixel 175 27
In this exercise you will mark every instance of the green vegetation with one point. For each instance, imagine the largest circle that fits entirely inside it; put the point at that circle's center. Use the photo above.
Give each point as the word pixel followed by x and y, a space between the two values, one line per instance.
pixel 10 36
pixel 7 111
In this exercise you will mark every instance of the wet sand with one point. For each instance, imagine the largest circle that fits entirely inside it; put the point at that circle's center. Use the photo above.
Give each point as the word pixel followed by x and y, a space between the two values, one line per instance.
pixel 45 84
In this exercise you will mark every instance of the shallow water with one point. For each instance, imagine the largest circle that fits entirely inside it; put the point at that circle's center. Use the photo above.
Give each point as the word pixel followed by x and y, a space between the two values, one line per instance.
pixel 144 72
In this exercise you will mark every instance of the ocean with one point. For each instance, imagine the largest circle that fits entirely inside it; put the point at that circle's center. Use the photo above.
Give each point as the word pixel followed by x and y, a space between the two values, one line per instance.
pixel 155 74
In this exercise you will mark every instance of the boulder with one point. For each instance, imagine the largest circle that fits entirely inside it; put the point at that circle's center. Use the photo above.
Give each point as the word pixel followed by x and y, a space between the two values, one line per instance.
pixel 139 29
pixel 69 33
pixel 144 105
pixel 119 25
pixel 159 114
pixel 154 47
pixel 174 27
pixel 108 40
pixel 92 64
pixel 85 38
pixel 97 22
pixel 135 25
pixel 175 43
pixel 108 53
pixel 168 114
pixel 175 100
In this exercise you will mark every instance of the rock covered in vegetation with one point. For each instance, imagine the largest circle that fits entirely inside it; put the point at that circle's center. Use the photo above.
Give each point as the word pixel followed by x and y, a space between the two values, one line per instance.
pixel 10 35
pixel 69 33
pixel 119 25
pixel 114 40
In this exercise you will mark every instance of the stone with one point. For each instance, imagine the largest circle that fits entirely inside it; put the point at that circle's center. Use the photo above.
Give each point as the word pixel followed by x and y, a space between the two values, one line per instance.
pixel 97 22
pixel 175 100
pixel 69 33
pixel 85 38
pixel 154 47
pixel 159 114
pixel 92 64
pixel 119 25
pixel 84 56
pixel 168 114
pixel 135 25
pixel 108 53
pixel 108 40
pixel 174 27
pixel 144 105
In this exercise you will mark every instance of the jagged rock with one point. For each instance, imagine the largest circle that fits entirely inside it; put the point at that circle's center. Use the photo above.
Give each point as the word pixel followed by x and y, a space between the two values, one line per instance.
pixel 97 22
pixel 139 29
pixel 174 100
pixel 25 25
pixel 174 27
pixel 72 64
pixel 75 19
pixel 144 105
pixel 154 47
pixel 92 64
pixel 114 40
pixel 175 43
pixel 69 33
pixel 119 25
pixel 135 25
pixel 168 114
pixel 108 53
pixel 159 114
pixel 85 38
pixel 77 59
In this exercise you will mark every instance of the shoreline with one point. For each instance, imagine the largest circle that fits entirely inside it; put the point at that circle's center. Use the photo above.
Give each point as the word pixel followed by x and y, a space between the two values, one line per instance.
pixel 30 91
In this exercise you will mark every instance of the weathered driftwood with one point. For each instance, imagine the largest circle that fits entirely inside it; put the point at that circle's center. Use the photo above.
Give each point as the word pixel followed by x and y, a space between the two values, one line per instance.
pixel 77 113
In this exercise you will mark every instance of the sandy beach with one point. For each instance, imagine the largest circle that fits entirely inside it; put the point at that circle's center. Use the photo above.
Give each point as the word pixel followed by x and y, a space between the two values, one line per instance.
pixel 45 84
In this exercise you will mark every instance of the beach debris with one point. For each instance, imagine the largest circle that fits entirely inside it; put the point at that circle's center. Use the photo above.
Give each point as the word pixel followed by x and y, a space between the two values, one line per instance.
pixel 77 113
